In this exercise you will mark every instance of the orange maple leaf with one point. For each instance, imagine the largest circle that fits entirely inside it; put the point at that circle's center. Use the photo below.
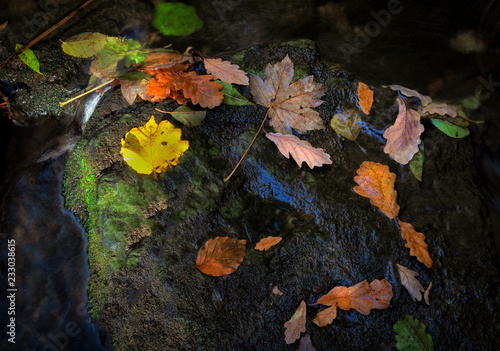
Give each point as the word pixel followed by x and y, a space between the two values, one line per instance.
pixel 266 243
pixel 365 97
pixel 415 242
pixel 377 183
pixel 296 324
pixel 226 71
pixel 362 297
pixel 403 137
pixel 290 106
pixel 301 150
pixel 221 256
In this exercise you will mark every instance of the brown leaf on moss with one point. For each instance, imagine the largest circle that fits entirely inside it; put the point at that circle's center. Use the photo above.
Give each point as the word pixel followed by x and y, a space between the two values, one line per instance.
pixel 226 71
pixel 415 242
pixel 365 97
pixel 377 183
pixel 221 256
pixel 362 297
pixel 296 324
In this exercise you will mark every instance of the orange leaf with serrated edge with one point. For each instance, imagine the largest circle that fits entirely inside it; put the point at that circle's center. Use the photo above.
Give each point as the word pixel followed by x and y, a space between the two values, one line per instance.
pixel 403 137
pixel 365 97
pixel 296 324
pixel 221 256
pixel 226 71
pixel 290 105
pixel 301 150
pixel 415 242
pixel 377 183
pixel 362 297
pixel 266 243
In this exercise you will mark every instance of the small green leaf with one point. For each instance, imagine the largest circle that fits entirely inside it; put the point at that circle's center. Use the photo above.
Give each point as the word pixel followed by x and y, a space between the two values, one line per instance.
pixel 29 58
pixel 232 96
pixel 411 335
pixel 450 129
pixel 106 61
pixel 347 124
pixel 176 18
pixel 187 116
pixel 417 162
pixel 85 44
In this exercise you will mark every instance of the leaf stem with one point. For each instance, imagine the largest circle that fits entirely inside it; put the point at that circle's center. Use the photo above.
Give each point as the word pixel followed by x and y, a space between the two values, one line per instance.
pixel 249 146
pixel 85 93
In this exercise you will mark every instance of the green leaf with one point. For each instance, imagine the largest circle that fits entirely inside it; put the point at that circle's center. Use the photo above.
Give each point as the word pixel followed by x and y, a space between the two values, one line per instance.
pixel 176 18
pixel 347 124
pixel 417 162
pixel 85 44
pixel 411 335
pixel 450 129
pixel 187 116
pixel 29 58
pixel 106 63
pixel 232 96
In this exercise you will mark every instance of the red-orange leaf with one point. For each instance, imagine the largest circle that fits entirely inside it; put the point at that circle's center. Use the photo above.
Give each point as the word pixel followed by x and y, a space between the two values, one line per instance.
pixel 221 256
pixel 365 97
pixel 416 244
pixel 296 324
pixel 362 297
pixel 301 150
pixel 403 137
pixel 226 71
pixel 377 183
pixel 266 243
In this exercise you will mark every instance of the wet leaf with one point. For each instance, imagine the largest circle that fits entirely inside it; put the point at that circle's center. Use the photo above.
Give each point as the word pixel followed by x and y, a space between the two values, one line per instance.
pixel 153 147
pixel 296 324
pixel 365 98
pixel 28 57
pixel 266 243
pixel 305 344
pixel 116 56
pixel 424 99
pixel 277 291
pixel 362 297
pixel 450 129
pixel 187 116
pixel 290 105
pixel 411 335
pixel 377 183
pixel 347 124
pixel 426 293
pixel 85 44
pixel 417 162
pixel 411 283
pixel 415 242
pixel 233 96
pixel 164 58
pixel 403 137
pixel 301 150
pixel 440 109
pixel 176 18
pixel 221 256
pixel 130 89
pixel 226 71
pixel 3 25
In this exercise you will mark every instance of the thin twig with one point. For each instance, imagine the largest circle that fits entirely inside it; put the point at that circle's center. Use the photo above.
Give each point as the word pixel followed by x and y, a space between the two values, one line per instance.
pixel 47 32
pixel 249 146
pixel 85 93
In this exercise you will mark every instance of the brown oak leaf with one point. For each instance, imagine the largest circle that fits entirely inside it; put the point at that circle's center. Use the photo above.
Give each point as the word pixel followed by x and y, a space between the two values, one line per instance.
pixel 424 99
pixel 221 256
pixel 365 97
pixel 362 297
pixel 301 150
pixel 296 324
pixel 266 243
pixel 290 105
pixel 441 109
pixel 305 344
pixel 415 242
pixel 226 71
pixel 403 137
pixel 411 283
pixel 377 183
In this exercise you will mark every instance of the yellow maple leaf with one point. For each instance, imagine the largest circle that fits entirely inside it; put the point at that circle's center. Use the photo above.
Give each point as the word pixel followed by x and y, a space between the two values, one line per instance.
pixel 153 147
